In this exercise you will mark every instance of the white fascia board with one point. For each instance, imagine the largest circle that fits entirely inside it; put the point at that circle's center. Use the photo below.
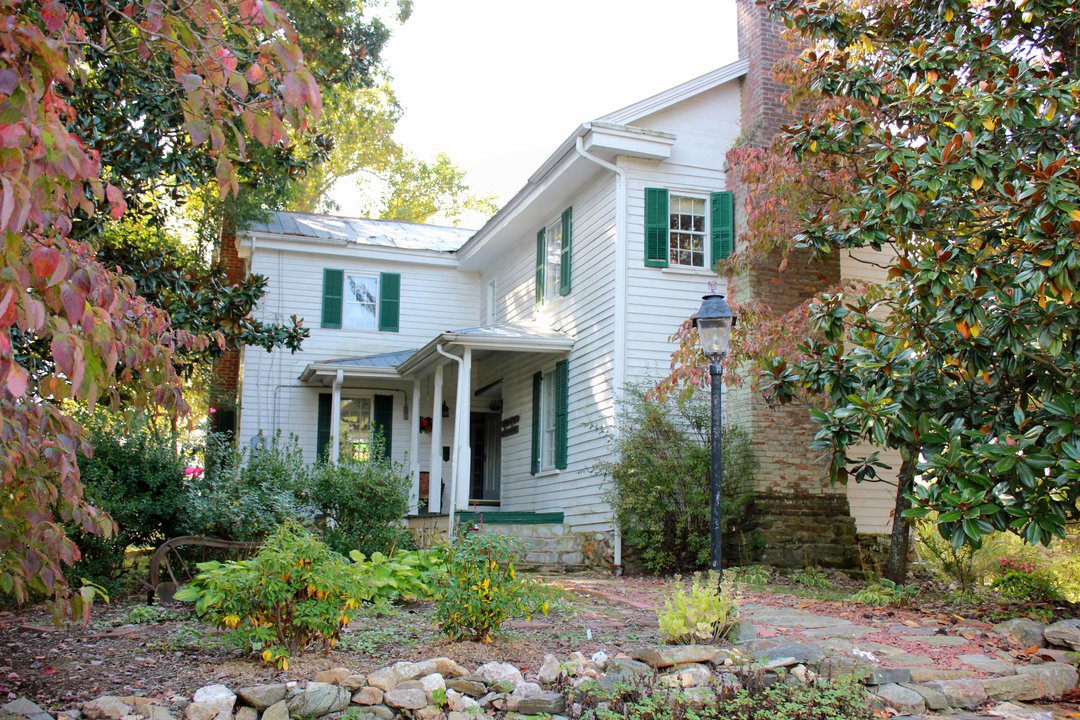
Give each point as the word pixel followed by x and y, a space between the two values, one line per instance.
pixel 337 249
pixel 679 93
pixel 609 139
pixel 331 369
pixel 422 357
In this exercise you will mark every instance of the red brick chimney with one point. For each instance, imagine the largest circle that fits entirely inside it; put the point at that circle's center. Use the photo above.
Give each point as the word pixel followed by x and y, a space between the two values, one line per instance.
pixel 225 392
pixel 802 518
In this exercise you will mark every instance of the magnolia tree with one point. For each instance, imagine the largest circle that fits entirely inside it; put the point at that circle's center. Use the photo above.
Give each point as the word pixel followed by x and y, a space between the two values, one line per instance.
pixel 73 330
pixel 943 134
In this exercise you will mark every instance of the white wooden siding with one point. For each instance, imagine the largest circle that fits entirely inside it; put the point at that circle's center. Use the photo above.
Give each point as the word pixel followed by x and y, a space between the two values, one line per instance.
pixel 272 395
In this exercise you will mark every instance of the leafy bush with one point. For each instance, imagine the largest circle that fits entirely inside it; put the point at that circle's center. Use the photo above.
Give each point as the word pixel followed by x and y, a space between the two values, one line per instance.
pixel 811 577
pixel 1025 581
pixel 136 474
pixel 758 700
pixel 295 591
pixel 701 611
pixel 405 575
pixel 750 574
pixel 886 592
pixel 245 495
pixel 659 481
pixel 362 500
pixel 480 588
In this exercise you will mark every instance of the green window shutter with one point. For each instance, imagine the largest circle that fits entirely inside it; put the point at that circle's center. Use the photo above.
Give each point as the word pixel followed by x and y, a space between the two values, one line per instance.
pixel 382 419
pixel 389 301
pixel 333 286
pixel 567 239
pixel 322 425
pixel 656 227
pixel 562 412
pixel 540 267
pixel 722 222
pixel 538 392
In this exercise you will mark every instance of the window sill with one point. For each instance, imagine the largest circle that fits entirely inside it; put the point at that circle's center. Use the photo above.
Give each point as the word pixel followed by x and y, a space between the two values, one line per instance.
pixel 699 272
pixel 548 473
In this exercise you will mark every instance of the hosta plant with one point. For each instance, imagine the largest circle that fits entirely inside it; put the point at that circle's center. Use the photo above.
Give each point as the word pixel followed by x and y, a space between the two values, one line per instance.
pixel 701 610
pixel 294 592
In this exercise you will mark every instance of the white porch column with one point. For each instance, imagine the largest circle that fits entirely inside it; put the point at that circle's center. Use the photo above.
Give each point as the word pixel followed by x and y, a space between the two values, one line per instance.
pixel 462 439
pixel 335 418
pixel 414 448
pixel 435 473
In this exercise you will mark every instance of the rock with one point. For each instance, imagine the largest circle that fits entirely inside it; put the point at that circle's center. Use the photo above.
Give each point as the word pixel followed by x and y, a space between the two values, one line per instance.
pixel 668 655
pixel 1065 633
pixel 741 631
pixel 246 713
pixel 334 676
pixel 1014 687
pixel 901 699
pixel 888 676
pixel 487 699
pixel 458 702
pixel 934 699
pixel 493 672
pixel 217 697
pixel 920 675
pixel 390 677
pixel 318 699
pixel 354 682
pixel 800 673
pixel 550 703
pixel 108 707
pixel 472 688
pixel 599 659
pixel 277 711
pixel 524 691
pixel 988 665
pixel 967 693
pixel 457 715
pixel 1058 678
pixel 261 697
pixel 1010 711
pixel 428 713
pixel 407 699
pixel 381 711
pixel 368 696
pixel 775 664
pixel 1025 632
pixel 624 670
pixel 577 661
pixel 448 668
pixel 687 676
pixel 549 670
pixel 25 708
pixel 802 652
pixel 432 683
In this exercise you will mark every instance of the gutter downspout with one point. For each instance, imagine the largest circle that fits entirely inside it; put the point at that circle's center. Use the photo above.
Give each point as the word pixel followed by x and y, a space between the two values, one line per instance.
pixel 461 430
pixel 619 354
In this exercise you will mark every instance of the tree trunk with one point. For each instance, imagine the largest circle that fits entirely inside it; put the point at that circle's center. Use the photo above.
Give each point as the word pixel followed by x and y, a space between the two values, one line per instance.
pixel 899 543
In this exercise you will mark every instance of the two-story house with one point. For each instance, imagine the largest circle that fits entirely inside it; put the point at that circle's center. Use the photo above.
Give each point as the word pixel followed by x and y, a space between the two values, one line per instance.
pixel 489 360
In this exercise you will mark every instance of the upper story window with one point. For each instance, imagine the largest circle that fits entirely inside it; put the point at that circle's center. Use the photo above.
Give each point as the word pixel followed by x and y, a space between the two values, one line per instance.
pixel 686 222
pixel 688 231
pixel 361 301
pixel 553 254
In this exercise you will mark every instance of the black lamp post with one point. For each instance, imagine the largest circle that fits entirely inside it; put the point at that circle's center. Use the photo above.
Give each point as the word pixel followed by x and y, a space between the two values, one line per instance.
pixel 714 322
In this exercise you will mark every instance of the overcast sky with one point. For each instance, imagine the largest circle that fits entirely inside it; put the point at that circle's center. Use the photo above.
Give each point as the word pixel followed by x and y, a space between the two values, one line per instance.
pixel 498 84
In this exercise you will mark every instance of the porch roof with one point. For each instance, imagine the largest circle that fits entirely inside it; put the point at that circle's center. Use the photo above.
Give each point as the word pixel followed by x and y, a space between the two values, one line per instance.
pixel 502 337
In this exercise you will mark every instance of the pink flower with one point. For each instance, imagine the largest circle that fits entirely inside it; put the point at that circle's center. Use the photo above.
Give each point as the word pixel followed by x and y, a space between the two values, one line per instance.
pixel 196 471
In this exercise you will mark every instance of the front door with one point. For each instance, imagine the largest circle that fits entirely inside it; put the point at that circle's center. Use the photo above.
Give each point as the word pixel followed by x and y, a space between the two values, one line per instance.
pixel 486 461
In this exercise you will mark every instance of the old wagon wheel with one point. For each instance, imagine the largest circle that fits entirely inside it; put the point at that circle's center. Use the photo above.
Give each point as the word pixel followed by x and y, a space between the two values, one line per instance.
pixel 165 590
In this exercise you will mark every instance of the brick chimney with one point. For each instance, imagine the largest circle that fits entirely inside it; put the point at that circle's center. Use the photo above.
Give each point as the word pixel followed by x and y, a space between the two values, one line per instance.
pixel 802 518
pixel 225 391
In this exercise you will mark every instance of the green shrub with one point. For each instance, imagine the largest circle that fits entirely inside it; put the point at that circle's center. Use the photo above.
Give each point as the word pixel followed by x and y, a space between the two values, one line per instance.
pixel 886 592
pixel 659 481
pixel 244 495
pixel 480 588
pixel 362 501
pixel 750 574
pixel 699 611
pixel 294 592
pixel 136 474
pixel 812 577
pixel 1022 580
pixel 405 575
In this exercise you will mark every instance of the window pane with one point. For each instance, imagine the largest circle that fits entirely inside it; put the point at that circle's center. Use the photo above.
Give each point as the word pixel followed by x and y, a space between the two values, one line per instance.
pixel 552 259
pixel 355 428
pixel 361 301
pixel 687 223
pixel 547 420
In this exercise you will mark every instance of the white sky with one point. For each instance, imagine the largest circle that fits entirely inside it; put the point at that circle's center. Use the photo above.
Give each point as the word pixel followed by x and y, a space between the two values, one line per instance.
pixel 498 84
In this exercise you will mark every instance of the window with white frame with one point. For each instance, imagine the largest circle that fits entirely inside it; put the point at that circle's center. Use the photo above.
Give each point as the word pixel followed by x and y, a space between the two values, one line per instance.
pixel 553 241
pixel 687 231
pixel 355 428
pixel 547 422
pixel 361 302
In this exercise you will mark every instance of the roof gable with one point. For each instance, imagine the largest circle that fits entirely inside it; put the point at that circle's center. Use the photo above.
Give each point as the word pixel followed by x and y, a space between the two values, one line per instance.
pixel 677 94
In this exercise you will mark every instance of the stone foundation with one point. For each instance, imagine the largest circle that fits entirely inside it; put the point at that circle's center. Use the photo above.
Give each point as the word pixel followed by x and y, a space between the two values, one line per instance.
pixel 796 531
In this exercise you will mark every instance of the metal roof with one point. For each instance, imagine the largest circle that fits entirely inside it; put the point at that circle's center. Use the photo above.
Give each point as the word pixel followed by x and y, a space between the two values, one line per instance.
pixel 363 231
pixel 378 360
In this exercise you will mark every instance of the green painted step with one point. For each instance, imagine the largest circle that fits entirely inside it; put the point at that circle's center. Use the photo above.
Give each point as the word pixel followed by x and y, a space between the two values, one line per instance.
pixel 511 518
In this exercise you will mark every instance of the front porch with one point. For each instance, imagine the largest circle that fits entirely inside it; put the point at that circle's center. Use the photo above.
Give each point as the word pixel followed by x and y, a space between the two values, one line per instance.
pixel 458 412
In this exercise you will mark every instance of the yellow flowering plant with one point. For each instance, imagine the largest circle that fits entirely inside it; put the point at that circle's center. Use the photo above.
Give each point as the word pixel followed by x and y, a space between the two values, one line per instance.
pixel 481 588
pixel 295 592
